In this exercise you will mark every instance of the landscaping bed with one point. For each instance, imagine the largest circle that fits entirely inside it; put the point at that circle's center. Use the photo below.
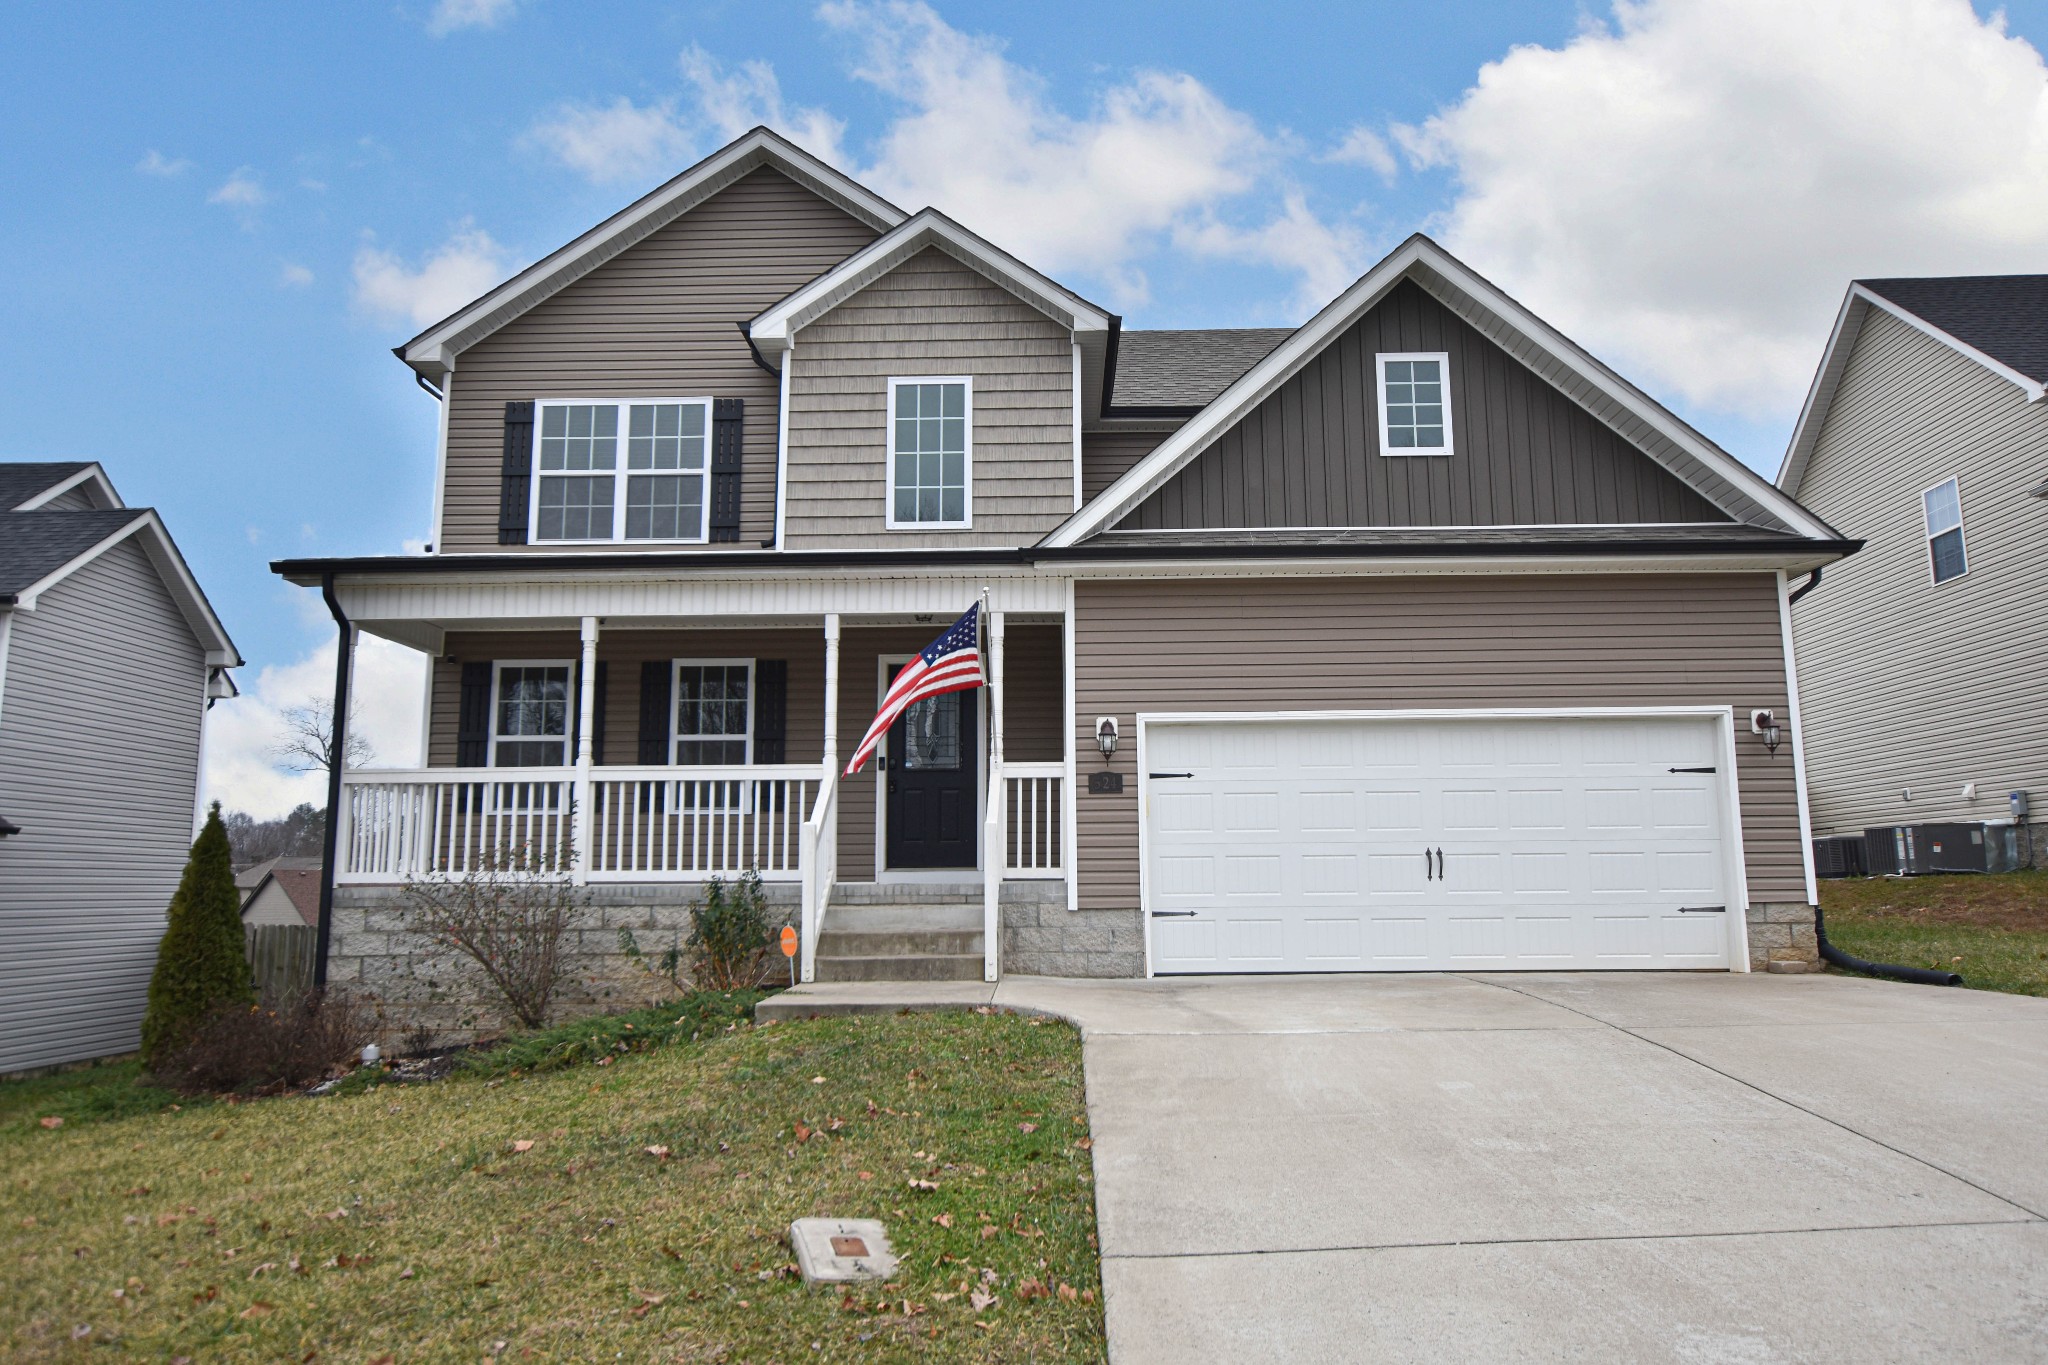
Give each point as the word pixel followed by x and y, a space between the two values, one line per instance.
pixel 570 1201
pixel 1992 928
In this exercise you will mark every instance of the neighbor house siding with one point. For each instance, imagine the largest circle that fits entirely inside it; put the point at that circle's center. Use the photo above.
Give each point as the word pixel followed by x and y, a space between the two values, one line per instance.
pixel 660 320
pixel 1105 455
pixel 1265 644
pixel 1905 684
pixel 99 755
pixel 1523 453
pixel 930 316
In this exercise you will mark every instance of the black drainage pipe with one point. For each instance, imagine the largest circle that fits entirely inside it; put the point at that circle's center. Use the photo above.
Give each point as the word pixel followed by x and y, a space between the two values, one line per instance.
pixel 1919 976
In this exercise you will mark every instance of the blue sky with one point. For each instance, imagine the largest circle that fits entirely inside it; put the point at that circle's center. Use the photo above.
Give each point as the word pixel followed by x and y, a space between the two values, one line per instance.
pixel 219 219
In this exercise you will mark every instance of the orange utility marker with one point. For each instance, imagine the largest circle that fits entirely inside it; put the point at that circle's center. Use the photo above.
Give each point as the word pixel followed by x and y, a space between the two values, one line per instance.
pixel 789 949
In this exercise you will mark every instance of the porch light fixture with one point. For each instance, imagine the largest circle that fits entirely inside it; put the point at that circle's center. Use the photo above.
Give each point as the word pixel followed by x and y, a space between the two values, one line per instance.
pixel 1765 725
pixel 1105 735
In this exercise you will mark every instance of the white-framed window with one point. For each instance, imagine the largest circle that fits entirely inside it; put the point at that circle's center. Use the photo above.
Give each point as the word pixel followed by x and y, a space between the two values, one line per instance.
pixel 629 469
pixel 1415 403
pixel 931 452
pixel 714 711
pixel 530 707
pixel 1941 507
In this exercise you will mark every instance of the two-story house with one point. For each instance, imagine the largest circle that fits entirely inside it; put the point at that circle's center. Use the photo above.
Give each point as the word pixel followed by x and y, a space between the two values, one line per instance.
pixel 1411 638
pixel 1926 431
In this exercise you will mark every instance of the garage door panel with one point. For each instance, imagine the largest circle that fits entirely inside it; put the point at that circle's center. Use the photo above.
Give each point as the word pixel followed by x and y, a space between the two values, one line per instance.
pixel 1312 845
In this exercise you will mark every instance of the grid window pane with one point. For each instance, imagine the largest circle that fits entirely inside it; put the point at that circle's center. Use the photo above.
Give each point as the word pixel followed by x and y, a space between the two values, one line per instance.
pixel 1947 550
pixel 711 713
pixel 929 469
pixel 575 508
pixel 665 436
pixel 1412 396
pixel 578 436
pixel 1944 508
pixel 664 506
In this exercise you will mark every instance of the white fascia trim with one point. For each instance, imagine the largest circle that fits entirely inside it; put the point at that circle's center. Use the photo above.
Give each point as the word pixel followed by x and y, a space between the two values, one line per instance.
pixel 1258 383
pixel 177 577
pixel 773 330
pixel 1835 359
pixel 92 474
pixel 1455 526
pixel 437 346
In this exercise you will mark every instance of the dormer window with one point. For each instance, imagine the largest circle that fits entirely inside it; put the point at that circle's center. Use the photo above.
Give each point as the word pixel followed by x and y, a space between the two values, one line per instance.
pixel 931 453
pixel 630 470
pixel 1415 403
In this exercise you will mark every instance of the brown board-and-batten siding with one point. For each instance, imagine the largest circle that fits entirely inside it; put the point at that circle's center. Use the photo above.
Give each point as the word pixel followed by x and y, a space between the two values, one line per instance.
pixel 660 320
pixel 1307 644
pixel 930 316
pixel 1523 453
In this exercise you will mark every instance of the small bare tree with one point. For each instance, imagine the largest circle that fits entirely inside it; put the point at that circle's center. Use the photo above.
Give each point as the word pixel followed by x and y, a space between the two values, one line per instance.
pixel 307 745
pixel 510 916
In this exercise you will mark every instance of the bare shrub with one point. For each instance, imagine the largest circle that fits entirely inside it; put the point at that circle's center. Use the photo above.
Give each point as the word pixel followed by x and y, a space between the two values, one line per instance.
pixel 278 1045
pixel 510 917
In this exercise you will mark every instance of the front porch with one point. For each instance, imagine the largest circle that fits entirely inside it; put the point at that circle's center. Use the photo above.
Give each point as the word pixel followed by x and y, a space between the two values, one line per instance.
pixel 527 721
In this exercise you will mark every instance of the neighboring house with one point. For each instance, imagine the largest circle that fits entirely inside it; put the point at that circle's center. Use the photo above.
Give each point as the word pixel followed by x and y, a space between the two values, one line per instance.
pixel 1426 640
pixel 284 895
pixel 1920 661
pixel 109 657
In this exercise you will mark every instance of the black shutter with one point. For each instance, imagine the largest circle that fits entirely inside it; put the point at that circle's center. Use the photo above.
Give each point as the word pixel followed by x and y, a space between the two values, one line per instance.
pixel 654 711
pixel 473 717
pixel 515 488
pixel 597 717
pixel 726 415
pixel 771 710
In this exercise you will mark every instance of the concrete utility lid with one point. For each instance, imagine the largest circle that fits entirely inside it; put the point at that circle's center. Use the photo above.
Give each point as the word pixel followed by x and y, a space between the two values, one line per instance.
pixel 839 1250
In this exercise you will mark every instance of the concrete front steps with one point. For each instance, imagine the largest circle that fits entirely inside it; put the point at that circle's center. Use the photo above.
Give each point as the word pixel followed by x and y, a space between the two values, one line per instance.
pixel 902 931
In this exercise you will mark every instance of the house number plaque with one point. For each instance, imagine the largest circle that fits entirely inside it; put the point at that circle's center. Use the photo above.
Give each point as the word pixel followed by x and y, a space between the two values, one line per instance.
pixel 1106 783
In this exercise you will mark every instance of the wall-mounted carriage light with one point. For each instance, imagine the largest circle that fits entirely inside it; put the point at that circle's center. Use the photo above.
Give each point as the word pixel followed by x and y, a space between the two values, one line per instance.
pixel 1105 735
pixel 1765 725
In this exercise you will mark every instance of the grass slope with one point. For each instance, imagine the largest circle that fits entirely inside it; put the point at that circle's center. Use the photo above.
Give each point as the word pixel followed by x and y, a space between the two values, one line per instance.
pixel 1993 929
pixel 401 1223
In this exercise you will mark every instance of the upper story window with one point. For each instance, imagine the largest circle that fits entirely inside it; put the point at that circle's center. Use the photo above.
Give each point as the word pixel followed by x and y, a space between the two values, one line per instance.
pixel 1415 403
pixel 1942 507
pixel 714 711
pixel 931 452
pixel 530 714
pixel 586 488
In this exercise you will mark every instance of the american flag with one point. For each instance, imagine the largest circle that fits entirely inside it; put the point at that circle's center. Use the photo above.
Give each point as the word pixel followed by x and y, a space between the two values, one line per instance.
pixel 951 663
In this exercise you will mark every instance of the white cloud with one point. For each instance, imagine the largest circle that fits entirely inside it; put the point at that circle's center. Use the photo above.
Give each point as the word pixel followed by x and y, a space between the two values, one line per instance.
pixel 1364 147
pixel 242 190
pixel 293 274
pixel 389 685
pixel 1323 257
pixel 155 162
pixel 460 269
pixel 1691 187
pixel 1157 154
pixel 450 15
pixel 751 96
pixel 612 142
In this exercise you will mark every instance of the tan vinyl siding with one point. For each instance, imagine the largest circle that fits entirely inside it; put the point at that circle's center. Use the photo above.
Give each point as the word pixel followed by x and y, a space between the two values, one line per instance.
pixel 930 316
pixel 1523 453
pixel 660 320
pixel 99 756
pixel 1905 684
pixel 1034 686
pixel 1106 455
pixel 1269 644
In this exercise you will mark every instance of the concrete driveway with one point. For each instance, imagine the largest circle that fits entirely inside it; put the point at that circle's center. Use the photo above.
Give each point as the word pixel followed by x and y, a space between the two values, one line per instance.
pixel 1679 1167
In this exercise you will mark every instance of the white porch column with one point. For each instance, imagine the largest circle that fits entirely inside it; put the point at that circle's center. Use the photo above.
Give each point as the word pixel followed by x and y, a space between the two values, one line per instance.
pixel 586 719
pixel 832 693
pixel 995 685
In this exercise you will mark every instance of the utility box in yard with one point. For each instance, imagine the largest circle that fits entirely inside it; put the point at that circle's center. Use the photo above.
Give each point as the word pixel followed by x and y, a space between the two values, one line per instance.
pixel 1921 850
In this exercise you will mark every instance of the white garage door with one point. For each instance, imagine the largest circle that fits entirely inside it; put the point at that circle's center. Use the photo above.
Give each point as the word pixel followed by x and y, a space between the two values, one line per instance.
pixel 1429 845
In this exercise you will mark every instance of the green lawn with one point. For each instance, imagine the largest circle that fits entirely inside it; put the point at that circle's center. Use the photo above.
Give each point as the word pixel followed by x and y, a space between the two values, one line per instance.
pixel 1992 929
pixel 405 1223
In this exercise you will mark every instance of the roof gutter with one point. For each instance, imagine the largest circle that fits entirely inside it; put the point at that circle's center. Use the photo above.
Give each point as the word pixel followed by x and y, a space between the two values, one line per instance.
pixel 344 658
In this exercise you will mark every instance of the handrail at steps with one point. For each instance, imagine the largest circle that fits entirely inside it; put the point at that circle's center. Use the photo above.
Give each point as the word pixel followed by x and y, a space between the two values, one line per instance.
pixel 994 863
pixel 818 859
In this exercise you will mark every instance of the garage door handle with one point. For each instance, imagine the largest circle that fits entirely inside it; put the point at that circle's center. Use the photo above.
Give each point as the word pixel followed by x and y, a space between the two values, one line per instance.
pixel 1156 776
pixel 1690 770
pixel 1175 914
pixel 1702 909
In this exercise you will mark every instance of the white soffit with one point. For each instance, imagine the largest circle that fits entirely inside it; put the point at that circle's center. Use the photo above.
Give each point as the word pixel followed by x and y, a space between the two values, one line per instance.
pixel 1638 418
pixel 434 350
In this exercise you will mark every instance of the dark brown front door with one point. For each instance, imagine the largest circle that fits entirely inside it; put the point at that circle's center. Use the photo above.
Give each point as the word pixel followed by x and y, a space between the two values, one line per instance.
pixel 931 781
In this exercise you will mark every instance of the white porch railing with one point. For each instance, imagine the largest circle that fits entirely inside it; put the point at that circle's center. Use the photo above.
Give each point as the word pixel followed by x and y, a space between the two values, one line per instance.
pixel 1030 834
pixel 818 859
pixel 645 824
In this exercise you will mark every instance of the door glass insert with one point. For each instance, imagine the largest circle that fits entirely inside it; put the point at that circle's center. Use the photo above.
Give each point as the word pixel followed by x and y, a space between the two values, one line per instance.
pixel 931 733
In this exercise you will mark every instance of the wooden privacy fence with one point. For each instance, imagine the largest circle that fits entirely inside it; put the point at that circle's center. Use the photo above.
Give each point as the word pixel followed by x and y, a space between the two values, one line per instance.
pixel 281 958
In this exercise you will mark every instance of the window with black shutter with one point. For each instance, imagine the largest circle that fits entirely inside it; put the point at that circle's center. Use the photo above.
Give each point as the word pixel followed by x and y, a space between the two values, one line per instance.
pixel 726 421
pixel 771 711
pixel 655 676
pixel 516 486
pixel 473 716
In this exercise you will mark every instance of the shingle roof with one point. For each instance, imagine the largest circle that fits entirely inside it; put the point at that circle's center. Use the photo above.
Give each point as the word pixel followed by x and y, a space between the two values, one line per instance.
pixel 1170 369
pixel 2004 316
pixel 33 544
pixel 20 482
